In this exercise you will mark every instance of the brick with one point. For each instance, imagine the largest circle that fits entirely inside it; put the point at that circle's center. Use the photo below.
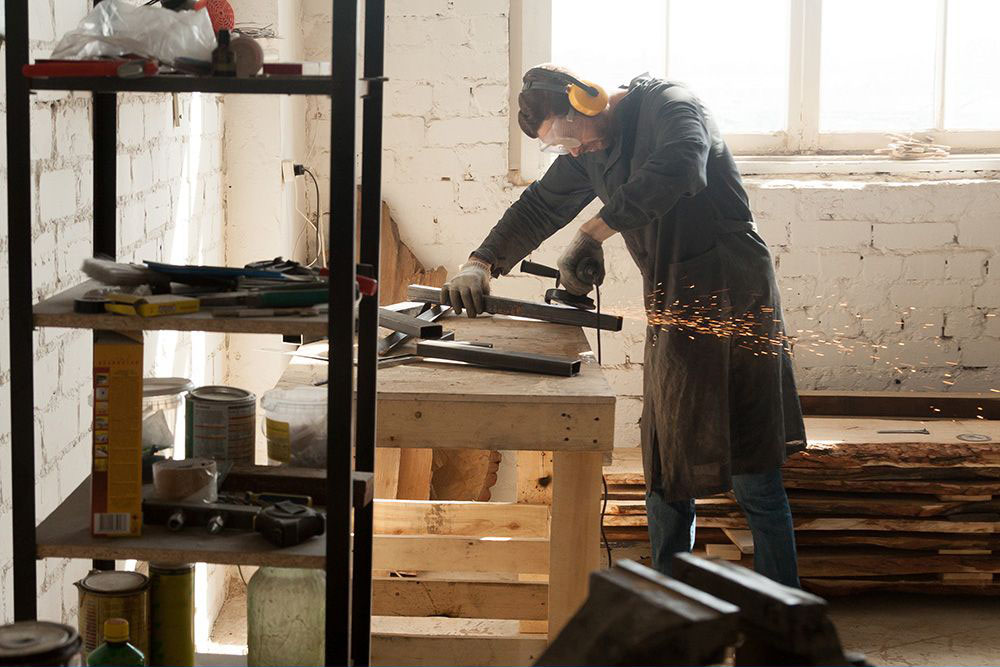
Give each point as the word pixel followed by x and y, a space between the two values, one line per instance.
pixel 452 98
pixel 963 324
pixel 839 265
pixel 967 265
pixel 46 377
pixel 831 234
pixel 57 194
pixel 490 30
pixel 403 132
pixel 484 160
pixel 933 295
pixel 881 268
pixel 773 231
pixel 935 352
pixel 73 132
pixel 456 131
pixel 987 296
pixel 490 99
pixel 925 266
pixel 41 133
pixel 913 236
pixel 981 353
pixel 131 123
pixel 980 229
pixel 797 263
pixel 40 24
pixel 142 172
pixel 408 99
pixel 416 7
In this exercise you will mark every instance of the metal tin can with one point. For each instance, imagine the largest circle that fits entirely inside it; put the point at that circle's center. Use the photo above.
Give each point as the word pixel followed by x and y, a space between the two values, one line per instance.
pixel 114 594
pixel 171 614
pixel 39 643
pixel 221 423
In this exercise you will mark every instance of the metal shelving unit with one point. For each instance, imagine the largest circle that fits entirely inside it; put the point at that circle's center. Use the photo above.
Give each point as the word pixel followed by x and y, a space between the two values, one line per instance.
pixel 348 597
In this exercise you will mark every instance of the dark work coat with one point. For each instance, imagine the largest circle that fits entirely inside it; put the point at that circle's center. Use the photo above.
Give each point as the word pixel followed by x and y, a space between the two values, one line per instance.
pixel 719 394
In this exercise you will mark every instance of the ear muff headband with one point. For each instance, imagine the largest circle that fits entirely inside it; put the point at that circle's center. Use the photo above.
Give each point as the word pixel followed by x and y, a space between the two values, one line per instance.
pixel 584 96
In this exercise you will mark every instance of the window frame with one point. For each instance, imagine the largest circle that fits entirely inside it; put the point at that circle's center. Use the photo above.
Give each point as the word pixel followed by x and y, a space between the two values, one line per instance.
pixel 531 43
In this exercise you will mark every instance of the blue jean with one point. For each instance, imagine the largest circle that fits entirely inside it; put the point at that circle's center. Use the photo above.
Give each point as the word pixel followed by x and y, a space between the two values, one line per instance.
pixel 763 500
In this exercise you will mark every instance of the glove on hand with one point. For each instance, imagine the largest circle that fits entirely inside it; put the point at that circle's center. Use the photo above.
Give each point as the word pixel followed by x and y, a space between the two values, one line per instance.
pixel 581 265
pixel 467 288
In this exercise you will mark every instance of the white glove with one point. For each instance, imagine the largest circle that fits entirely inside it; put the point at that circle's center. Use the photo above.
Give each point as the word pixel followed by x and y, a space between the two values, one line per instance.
pixel 467 288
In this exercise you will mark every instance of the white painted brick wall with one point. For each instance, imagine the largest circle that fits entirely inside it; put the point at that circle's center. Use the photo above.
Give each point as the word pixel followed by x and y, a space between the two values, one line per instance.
pixel 855 256
pixel 174 213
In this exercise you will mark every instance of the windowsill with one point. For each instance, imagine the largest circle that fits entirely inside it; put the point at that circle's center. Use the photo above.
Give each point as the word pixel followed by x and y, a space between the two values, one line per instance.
pixel 753 165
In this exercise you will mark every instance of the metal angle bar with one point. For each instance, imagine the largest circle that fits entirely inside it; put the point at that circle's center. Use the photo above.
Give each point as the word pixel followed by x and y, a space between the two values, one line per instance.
pixel 499 305
pixel 406 324
pixel 395 339
pixel 499 359
pixel 340 400
pixel 22 429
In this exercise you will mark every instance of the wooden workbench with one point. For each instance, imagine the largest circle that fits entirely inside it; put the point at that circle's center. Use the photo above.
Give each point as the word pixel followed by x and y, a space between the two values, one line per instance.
pixel 448 405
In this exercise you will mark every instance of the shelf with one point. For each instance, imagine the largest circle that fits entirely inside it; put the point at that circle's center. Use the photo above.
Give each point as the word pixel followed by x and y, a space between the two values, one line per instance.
pixel 57 311
pixel 177 83
pixel 65 533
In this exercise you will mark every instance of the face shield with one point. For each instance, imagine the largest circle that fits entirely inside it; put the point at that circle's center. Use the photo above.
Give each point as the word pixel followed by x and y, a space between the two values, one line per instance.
pixel 561 136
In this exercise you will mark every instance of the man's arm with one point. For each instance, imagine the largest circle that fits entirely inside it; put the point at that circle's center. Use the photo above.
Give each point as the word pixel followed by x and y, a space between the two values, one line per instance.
pixel 676 167
pixel 545 207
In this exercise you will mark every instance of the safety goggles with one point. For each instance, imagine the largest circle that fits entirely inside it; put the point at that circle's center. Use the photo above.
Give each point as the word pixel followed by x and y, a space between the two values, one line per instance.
pixel 560 138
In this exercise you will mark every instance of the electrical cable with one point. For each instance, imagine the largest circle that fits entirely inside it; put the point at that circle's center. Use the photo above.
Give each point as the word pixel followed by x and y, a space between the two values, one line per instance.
pixel 301 233
pixel 239 568
pixel 319 218
pixel 598 288
pixel 604 509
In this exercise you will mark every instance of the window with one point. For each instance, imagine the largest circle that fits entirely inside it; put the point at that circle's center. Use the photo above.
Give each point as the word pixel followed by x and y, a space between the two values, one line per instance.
pixel 794 76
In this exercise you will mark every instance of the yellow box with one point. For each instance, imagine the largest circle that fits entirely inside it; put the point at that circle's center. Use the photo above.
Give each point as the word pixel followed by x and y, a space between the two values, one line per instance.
pixel 116 473
pixel 151 306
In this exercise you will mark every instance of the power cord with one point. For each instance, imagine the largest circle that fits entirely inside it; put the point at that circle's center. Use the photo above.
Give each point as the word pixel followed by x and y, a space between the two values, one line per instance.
pixel 319 217
pixel 604 509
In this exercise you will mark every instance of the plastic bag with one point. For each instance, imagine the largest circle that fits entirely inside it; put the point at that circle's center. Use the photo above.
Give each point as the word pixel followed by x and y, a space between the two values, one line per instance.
pixel 115 28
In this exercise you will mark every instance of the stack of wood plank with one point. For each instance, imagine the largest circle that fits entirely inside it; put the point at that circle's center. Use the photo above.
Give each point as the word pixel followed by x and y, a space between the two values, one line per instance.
pixel 879 504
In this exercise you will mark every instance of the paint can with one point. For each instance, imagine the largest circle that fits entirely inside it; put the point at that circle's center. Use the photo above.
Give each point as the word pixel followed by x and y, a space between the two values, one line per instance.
pixel 39 643
pixel 221 423
pixel 108 594
pixel 171 614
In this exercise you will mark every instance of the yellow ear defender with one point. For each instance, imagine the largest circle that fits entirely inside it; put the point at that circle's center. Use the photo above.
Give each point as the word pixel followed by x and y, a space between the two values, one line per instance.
pixel 584 96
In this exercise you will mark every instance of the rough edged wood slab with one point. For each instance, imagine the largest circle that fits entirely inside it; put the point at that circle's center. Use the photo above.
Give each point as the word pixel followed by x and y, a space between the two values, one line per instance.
pixel 404 596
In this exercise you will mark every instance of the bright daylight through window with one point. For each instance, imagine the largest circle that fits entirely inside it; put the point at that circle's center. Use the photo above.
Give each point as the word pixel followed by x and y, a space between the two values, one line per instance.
pixel 804 76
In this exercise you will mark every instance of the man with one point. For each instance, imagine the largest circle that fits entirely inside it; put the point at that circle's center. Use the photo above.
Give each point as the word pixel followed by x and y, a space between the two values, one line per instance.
pixel 720 407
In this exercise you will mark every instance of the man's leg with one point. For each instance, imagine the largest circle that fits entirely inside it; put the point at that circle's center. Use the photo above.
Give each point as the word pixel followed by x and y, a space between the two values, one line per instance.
pixel 671 528
pixel 764 501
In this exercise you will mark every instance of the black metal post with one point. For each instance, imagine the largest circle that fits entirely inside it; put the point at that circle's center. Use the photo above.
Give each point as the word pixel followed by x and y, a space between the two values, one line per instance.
pixel 105 195
pixel 340 405
pixel 22 430
pixel 371 224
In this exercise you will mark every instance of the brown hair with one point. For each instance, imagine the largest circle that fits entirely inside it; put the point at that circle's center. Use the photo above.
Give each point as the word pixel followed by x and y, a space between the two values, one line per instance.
pixel 535 105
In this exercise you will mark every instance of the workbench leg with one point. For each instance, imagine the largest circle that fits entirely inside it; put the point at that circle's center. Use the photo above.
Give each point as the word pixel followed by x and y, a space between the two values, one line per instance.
pixel 534 486
pixel 575 534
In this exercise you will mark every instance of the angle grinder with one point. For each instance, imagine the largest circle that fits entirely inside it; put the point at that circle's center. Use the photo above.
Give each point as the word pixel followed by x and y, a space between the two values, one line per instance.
pixel 588 271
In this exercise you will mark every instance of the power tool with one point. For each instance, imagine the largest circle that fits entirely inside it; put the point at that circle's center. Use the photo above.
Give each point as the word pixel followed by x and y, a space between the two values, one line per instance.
pixel 588 271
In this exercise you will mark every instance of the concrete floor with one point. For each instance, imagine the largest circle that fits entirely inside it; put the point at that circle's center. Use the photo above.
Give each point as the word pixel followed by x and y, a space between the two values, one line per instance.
pixel 906 629
pixel 890 629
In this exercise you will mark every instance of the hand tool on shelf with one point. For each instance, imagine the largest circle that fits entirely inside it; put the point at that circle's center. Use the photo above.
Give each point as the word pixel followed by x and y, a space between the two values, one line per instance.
pixel 499 305
pixel 123 68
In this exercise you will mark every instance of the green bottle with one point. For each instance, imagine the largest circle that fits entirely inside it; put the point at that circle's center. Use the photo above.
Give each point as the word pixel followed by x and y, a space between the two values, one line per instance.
pixel 116 650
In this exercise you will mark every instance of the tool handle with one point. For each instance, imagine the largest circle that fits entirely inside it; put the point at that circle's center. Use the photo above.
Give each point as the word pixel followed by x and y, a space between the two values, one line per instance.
pixel 537 269
pixel 589 271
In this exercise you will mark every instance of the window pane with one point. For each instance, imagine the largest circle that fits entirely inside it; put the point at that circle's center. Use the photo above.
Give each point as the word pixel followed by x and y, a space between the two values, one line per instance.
pixel 877 67
pixel 734 55
pixel 609 42
pixel 972 84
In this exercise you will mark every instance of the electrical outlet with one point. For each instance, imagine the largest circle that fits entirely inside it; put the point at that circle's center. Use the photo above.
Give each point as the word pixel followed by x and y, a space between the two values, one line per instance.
pixel 287 171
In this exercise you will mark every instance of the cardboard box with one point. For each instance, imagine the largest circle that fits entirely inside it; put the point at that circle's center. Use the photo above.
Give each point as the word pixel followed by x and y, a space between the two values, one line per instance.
pixel 116 488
